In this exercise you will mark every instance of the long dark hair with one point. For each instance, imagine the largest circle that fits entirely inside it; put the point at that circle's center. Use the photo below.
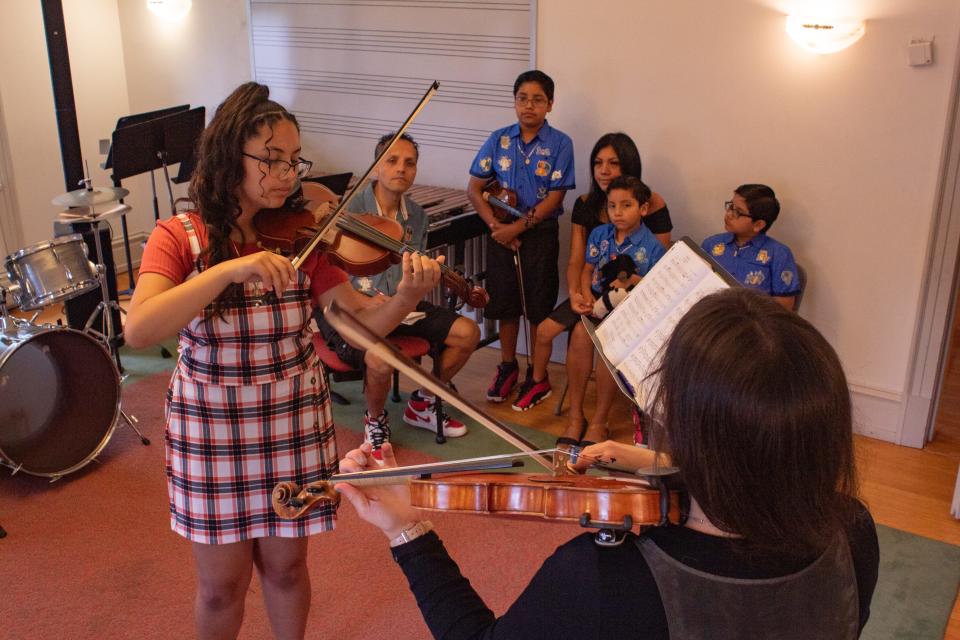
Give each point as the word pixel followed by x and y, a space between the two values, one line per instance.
pixel 219 170
pixel 630 165
pixel 753 406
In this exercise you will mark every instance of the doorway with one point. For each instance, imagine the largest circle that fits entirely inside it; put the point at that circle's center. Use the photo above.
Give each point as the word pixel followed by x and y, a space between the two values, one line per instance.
pixel 946 427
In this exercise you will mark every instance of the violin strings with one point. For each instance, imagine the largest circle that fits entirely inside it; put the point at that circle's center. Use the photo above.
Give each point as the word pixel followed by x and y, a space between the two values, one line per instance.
pixel 378 237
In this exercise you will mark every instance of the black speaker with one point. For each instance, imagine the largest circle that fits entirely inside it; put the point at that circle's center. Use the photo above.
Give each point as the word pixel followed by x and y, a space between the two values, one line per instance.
pixel 78 309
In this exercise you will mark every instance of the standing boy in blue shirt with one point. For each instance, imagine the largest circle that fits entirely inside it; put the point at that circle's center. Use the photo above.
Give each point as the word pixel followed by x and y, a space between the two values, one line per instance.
pixel 746 251
pixel 534 160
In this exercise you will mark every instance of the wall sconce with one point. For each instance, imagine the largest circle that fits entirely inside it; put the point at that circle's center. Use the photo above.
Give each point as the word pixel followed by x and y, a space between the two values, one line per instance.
pixel 821 35
pixel 170 9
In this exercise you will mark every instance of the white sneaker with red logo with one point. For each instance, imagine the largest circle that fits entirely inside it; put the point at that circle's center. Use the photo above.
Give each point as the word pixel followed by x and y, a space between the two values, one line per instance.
pixel 421 412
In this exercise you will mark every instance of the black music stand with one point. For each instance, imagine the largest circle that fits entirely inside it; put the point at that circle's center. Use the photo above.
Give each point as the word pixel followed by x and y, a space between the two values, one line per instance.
pixel 127 121
pixel 154 143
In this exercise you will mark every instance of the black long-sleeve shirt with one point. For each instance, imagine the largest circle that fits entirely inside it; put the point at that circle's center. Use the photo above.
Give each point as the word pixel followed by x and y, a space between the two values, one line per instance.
pixel 587 591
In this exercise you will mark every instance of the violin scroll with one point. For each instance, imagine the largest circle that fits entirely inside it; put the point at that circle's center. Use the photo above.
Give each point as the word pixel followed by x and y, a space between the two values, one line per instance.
pixel 290 501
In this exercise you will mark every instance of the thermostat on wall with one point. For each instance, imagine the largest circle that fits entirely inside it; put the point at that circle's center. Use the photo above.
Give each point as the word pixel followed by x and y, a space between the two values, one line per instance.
pixel 921 53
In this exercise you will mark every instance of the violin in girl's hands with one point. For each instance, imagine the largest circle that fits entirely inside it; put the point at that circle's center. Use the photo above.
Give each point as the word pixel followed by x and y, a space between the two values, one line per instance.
pixel 362 244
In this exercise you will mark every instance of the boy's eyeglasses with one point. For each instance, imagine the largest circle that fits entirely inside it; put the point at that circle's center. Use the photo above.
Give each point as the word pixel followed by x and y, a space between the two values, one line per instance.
pixel 737 213
pixel 280 168
pixel 537 101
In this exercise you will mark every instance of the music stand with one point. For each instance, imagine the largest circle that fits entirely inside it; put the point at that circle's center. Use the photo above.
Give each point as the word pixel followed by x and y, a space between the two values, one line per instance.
pixel 127 121
pixel 153 144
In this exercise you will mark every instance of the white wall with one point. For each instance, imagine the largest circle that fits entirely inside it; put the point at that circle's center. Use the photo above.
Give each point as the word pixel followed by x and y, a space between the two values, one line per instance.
pixel 124 60
pixel 100 93
pixel 28 115
pixel 197 60
pixel 715 95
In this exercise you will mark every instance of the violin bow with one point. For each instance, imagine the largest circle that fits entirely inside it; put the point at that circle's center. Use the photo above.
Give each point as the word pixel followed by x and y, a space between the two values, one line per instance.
pixel 354 331
pixel 348 196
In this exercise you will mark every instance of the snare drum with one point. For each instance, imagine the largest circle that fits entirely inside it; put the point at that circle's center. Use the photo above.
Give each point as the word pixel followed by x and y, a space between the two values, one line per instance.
pixel 50 272
pixel 59 399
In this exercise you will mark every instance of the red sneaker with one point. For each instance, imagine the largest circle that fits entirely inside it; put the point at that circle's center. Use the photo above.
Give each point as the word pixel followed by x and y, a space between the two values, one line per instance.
pixel 531 394
pixel 503 383
pixel 421 412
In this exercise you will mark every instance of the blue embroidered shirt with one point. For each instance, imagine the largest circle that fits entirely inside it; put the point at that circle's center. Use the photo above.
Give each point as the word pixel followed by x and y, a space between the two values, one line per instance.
pixel 531 170
pixel 641 245
pixel 762 263
pixel 414 221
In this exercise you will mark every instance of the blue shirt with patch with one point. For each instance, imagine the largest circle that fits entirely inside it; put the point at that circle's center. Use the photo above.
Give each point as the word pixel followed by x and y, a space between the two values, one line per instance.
pixel 641 245
pixel 414 221
pixel 533 169
pixel 762 263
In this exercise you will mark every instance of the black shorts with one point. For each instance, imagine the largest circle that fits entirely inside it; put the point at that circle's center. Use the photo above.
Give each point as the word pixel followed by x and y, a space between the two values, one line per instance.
pixel 434 328
pixel 564 315
pixel 539 252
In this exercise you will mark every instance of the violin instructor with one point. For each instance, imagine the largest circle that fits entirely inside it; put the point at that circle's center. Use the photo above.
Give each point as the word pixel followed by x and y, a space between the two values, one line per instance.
pixel 755 411
pixel 247 406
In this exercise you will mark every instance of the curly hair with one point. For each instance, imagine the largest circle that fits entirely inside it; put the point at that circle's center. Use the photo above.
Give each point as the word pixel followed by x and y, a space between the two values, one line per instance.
pixel 219 172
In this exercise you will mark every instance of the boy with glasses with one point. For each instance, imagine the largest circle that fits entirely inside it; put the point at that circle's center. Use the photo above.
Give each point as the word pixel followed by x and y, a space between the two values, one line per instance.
pixel 534 160
pixel 746 251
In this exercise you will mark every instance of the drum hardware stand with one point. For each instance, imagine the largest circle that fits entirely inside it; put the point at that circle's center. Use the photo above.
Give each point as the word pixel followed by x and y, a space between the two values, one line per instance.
pixel 106 306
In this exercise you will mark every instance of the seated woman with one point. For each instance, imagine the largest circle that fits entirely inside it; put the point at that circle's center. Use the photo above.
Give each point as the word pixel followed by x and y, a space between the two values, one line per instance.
pixel 613 155
pixel 752 406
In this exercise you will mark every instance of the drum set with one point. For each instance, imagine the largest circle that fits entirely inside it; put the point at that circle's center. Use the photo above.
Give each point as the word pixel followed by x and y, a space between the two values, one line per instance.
pixel 59 387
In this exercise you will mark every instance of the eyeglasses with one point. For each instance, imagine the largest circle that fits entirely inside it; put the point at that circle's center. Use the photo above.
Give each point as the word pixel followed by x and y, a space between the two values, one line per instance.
pixel 538 101
pixel 737 213
pixel 280 168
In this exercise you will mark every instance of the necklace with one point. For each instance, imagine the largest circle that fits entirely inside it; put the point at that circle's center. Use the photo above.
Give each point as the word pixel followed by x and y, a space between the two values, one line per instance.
pixel 526 156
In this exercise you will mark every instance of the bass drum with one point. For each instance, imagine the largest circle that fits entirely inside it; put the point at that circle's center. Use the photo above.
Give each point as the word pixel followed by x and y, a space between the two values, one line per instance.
pixel 59 399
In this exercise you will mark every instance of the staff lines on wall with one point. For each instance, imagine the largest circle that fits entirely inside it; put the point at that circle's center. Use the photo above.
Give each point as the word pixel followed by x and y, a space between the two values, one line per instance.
pixel 446 136
pixel 411 4
pixel 451 91
pixel 421 43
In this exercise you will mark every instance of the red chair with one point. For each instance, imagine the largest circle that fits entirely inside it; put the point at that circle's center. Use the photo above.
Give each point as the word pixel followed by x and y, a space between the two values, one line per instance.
pixel 339 371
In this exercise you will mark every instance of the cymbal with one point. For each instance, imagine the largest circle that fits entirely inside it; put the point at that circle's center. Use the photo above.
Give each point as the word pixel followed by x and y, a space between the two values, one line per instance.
pixel 91 216
pixel 90 197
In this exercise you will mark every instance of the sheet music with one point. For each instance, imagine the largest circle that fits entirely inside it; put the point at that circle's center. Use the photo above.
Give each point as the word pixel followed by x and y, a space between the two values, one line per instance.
pixel 632 337
pixel 675 275
pixel 644 359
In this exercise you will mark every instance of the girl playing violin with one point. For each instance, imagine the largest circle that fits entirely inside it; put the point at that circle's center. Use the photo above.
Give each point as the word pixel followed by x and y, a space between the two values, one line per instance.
pixel 247 404
pixel 752 405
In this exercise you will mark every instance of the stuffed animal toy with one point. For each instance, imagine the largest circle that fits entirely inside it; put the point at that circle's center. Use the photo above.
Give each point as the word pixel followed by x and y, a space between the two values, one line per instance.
pixel 618 276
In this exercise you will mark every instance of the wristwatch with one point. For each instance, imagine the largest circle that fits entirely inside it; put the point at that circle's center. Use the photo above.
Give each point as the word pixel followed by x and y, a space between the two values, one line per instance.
pixel 412 532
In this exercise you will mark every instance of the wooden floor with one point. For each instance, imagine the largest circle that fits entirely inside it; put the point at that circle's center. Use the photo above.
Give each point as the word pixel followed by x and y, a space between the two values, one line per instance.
pixel 907 489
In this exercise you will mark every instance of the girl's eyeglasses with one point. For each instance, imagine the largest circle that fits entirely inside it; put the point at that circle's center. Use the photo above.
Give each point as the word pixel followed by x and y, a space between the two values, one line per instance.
pixel 280 168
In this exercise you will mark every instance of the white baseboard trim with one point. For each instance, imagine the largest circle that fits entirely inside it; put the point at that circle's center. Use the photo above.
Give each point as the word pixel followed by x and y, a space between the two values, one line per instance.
pixel 877 413
pixel 137 240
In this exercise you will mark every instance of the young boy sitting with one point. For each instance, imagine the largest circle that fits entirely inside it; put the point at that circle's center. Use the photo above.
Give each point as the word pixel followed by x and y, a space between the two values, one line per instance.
pixel 746 251
pixel 625 235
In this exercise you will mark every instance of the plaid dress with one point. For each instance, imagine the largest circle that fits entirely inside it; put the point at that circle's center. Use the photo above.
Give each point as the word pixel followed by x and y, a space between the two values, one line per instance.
pixel 247 407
